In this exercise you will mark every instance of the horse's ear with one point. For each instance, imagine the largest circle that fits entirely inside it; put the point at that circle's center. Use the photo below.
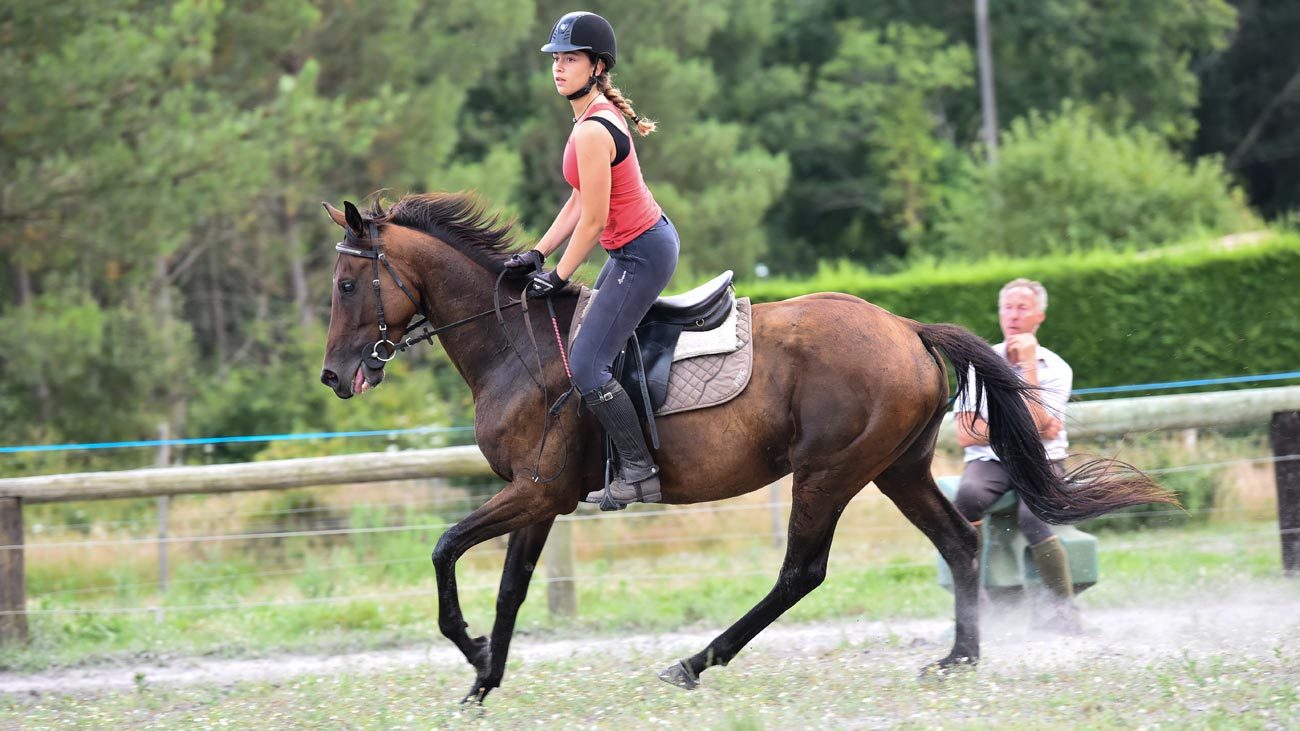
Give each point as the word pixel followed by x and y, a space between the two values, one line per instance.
pixel 353 216
pixel 338 216
pixel 379 209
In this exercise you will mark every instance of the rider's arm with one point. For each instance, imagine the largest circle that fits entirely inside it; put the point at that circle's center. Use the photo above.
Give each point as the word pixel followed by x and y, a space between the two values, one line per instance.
pixel 562 228
pixel 972 431
pixel 595 150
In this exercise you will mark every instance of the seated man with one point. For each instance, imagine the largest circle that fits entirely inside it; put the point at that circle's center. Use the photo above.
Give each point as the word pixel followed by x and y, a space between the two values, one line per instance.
pixel 1022 306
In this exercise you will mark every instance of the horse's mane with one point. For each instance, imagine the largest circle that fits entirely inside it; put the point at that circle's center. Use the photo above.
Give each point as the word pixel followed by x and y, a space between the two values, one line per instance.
pixel 458 219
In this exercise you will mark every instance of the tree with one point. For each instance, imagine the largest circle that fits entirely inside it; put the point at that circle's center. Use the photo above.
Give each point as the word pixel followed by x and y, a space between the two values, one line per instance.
pixel 868 147
pixel 1068 181
pixel 1249 109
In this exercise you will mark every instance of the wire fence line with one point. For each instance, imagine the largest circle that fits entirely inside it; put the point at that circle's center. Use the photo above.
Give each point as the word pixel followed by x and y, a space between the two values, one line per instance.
pixel 481 549
pixel 577 517
pixel 430 591
pixel 1223 463
pixel 443 503
pixel 582 543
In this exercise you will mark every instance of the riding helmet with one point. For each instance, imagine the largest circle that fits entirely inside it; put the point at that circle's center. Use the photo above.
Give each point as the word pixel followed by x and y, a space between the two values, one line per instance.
pixel 583 31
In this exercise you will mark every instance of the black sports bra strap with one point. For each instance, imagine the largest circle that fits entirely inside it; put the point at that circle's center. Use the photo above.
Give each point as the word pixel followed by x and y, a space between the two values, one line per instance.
pixel 622 143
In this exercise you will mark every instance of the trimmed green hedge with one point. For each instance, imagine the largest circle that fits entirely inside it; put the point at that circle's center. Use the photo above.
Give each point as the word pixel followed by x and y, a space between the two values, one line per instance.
pixel 1117 318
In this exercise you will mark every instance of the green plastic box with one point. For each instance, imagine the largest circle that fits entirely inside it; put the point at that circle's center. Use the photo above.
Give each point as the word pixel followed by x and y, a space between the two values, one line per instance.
pixel 1006 567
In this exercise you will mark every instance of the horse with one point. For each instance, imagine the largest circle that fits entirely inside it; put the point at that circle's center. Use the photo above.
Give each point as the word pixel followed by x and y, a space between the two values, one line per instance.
pixel 843 394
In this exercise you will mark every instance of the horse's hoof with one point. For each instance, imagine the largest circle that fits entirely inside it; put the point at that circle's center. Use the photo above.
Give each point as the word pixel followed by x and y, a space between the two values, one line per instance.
pixel 680 676
pixel 949 666
pixel 476 694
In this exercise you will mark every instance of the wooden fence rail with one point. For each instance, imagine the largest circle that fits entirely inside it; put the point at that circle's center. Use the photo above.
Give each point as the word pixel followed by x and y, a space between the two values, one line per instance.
pixel 1084 419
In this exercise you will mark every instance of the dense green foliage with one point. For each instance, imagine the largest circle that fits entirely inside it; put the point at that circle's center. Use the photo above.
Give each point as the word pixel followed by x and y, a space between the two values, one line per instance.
pixel 1249 108
pixel 1117 318
pixel 1064 182
pixel 164 259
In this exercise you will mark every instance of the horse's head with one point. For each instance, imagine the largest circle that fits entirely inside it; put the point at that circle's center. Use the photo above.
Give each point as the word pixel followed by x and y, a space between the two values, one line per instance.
pixel 369 310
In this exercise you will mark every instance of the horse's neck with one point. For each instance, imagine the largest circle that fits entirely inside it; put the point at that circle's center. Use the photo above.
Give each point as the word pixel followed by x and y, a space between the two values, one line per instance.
pixel 481 350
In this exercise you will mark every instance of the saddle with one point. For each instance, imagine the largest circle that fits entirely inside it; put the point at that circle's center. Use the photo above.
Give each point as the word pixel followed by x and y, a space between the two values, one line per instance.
pixel 648 358
pixel 690 351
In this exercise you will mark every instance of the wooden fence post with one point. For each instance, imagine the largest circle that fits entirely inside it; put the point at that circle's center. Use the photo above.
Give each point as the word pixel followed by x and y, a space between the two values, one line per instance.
pixel 1284 434
pixel 561 589
pixel 13 584
pixel 778 519
pixel 164 503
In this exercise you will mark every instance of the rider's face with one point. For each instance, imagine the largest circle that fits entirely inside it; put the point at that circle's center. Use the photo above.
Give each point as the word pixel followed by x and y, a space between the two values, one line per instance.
pixel 570 71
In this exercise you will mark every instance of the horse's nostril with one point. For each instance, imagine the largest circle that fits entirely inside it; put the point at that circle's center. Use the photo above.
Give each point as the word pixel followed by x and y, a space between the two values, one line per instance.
pixel 329 378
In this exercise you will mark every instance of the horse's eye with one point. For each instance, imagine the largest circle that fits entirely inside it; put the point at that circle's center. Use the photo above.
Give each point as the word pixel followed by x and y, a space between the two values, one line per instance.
pixel 346 285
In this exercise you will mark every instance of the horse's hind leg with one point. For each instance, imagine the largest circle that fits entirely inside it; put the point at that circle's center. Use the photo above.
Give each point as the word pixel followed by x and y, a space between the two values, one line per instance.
pixel 912 488
pixel 815 511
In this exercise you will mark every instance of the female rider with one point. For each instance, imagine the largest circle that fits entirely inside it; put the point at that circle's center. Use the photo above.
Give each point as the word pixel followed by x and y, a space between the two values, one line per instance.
pixel 610 204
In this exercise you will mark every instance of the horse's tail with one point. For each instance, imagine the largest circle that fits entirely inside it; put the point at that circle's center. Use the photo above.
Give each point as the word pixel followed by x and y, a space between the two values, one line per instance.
pixel 1089 490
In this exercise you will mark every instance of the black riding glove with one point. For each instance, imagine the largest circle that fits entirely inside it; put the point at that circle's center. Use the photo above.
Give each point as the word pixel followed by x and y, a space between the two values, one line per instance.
pixel 529 261
pixel 544 284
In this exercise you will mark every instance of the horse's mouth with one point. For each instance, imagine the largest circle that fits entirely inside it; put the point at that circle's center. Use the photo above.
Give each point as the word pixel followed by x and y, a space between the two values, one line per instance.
pixel 366 378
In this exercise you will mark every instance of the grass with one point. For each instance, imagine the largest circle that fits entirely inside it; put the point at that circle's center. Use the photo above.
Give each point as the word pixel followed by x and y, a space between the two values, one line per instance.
pixel 892 576
pixel 869 685
pixel 649 568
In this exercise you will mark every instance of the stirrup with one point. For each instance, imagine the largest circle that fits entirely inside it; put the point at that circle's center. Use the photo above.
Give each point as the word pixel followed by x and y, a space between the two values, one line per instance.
pixel 645 491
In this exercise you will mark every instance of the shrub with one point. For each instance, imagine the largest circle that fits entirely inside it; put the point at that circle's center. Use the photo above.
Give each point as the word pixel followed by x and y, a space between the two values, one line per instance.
pixel 1066 182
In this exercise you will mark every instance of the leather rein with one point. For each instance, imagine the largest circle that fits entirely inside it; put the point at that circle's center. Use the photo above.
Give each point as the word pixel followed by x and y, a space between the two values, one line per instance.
pixel 385 349
pixel 390 349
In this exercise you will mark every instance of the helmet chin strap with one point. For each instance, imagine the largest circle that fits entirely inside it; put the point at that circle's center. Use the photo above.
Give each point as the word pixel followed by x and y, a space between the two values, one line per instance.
pixel 575 96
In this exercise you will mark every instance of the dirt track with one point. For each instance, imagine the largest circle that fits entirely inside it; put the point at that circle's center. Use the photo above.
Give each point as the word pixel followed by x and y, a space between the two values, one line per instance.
pixel 1259 625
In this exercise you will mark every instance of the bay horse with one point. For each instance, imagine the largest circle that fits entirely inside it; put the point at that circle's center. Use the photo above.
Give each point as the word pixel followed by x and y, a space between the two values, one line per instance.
pixel 843 394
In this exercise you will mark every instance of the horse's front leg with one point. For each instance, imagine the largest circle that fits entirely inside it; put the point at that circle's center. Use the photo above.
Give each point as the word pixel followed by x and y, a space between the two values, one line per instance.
pixel 512 510
pixel 521 558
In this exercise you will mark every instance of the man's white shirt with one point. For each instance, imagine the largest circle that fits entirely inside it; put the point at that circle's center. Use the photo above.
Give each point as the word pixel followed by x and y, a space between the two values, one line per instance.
pixel 1055 378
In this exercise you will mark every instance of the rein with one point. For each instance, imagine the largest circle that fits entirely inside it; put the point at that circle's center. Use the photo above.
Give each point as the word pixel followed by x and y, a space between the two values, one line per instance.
pixel 391 349
pixel 376 257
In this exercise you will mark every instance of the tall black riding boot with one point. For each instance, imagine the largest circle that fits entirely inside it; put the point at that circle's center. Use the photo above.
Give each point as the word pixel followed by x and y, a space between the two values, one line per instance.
pixel 638 477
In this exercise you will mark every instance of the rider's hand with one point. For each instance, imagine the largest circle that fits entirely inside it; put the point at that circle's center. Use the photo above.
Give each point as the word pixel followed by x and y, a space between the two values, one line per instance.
pixel 545 284
pixel 527 262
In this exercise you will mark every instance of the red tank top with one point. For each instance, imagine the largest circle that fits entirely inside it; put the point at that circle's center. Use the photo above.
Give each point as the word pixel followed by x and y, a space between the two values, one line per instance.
pixel 632 209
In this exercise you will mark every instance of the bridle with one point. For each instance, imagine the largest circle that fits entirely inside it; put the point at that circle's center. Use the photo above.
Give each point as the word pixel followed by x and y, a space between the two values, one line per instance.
pixel 390 349
pixel 385 349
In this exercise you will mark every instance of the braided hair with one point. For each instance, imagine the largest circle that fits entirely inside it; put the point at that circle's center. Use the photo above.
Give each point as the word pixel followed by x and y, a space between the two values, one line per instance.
pixel 644 125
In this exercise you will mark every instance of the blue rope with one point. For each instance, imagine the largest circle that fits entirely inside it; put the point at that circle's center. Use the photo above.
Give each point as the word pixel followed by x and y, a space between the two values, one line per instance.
pixel 452 429
pixel 234 440
pixel 1185 384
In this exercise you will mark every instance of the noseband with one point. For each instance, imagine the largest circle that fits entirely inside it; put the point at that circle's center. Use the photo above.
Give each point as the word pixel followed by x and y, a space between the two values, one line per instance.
pixel 385 349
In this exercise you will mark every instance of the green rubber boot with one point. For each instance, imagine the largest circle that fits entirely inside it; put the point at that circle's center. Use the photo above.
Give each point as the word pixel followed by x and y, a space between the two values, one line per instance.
pixel 1061 615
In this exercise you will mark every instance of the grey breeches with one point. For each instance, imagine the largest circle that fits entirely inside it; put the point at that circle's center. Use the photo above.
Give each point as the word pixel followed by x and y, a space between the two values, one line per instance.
pixel 629 283
pixel 982 483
